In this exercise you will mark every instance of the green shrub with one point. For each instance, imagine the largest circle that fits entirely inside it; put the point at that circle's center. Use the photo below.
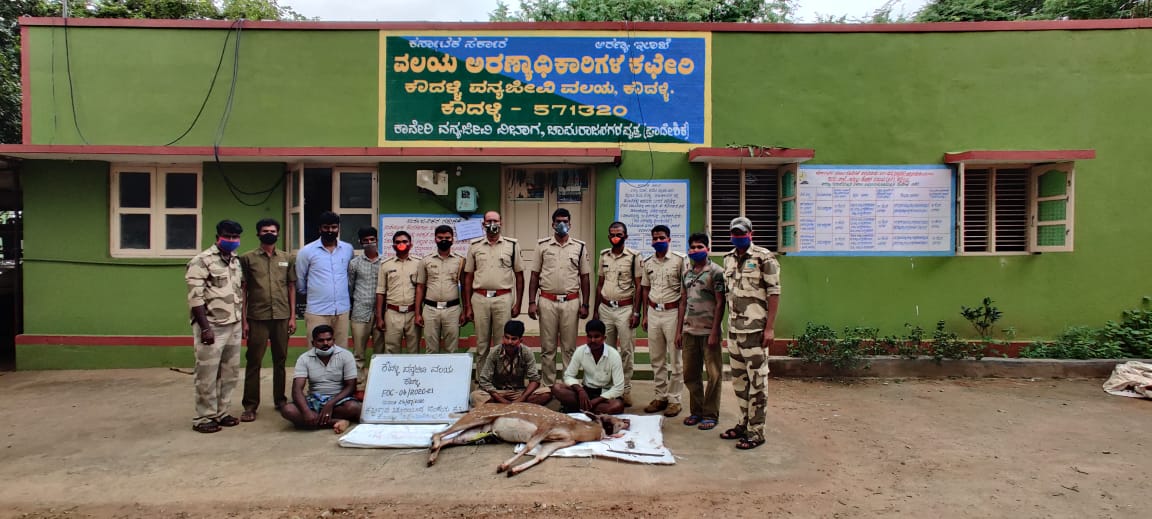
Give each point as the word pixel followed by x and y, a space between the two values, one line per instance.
pixel 1075 342
pixel 948 345
pixel 1133 334
pixel 819 344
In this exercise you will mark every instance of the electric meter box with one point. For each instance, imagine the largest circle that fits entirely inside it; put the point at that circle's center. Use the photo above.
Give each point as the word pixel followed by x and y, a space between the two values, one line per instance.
pixel 467 199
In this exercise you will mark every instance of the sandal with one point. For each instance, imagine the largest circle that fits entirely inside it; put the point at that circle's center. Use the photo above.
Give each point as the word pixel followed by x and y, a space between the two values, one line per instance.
pixel 749 443
pixel 228 421
pixel 707 424
pixel 692 420
pixel 735 433
pixel 207 427
pixel 249 415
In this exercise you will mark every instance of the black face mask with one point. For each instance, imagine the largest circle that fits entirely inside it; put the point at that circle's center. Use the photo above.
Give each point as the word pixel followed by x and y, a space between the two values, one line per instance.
pixel 268 239
pixel 329 236
pixel 444 244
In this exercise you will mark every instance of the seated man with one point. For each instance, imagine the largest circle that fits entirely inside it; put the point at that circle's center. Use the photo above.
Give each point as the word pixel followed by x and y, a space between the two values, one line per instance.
pixel 504 372
pixel 330 372
pixel 603 376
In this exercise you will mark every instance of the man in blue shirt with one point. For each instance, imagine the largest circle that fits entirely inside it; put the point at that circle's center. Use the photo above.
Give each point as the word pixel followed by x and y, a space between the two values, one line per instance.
pixel 322 275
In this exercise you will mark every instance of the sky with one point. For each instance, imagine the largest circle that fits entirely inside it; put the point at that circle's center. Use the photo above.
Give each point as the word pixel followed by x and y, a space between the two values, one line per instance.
pixel 477 10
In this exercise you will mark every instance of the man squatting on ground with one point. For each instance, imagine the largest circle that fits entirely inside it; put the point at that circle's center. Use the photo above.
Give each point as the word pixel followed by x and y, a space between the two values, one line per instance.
pixel 215 302
pixel 363 272
pixel 700 317
pixel 617 299
pixel 438 295
pixel 603 383
pixel 753 281
pixel 330 373
pixel 509 374
pixel 269 314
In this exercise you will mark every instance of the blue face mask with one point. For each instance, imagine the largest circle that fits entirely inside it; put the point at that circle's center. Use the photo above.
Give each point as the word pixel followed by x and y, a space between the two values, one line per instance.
pixel 698 256
pixel 741 242
pixel 660 246
pixel 228 245
pixel 561 228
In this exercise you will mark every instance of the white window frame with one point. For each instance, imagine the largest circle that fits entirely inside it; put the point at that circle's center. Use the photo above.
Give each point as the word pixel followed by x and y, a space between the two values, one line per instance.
pixel 156 211
pixel 1035 170
pixel 294 199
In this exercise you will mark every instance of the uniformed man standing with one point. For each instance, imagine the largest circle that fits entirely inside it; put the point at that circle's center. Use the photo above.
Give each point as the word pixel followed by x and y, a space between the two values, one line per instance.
pixel 492 268
pixel 396 297
pixel 617 303
pixel 662 285
pixel 560 274
pixel 438 295
pixel 752 275
pixel 215 302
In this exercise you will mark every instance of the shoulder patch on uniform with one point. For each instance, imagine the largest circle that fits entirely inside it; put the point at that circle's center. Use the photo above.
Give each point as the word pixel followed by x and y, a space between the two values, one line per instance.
pixel 507 238
pixel 606 251
pixel 543 240
pixel 681 254
pixel 476 241
pixel 578 241
pixel 457 254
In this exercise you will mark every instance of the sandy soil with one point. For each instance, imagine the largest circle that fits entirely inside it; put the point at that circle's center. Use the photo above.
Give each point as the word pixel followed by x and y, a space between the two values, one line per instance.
pixel 118 443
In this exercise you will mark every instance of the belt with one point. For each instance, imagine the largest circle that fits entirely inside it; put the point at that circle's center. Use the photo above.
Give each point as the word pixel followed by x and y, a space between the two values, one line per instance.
pixel 442 304
pixel 664 306
pixel 402 309
pixel 493 293
pixel 559 297
pixel 617 304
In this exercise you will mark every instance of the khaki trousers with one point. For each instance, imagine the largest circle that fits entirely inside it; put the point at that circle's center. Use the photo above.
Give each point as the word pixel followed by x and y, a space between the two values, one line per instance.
pixel 558 323
pixel 338 322
pixel 362 333
pixel 217 371
pixel 621 337
pixel 441 329
pixel 260 333
pixel 666 365
pixel 490 315
pixel 698 358
pixel 397 326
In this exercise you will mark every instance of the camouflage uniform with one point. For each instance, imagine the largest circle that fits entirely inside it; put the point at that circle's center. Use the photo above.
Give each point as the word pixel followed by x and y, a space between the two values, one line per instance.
pixel 700 289
pixel 397 283
pixel 663 278
pixel 215 283
pixel 751 279
pixel 616 298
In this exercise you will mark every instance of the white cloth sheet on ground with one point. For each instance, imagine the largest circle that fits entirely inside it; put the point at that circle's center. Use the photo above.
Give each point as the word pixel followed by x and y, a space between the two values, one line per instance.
pixel 1131 379
pixel 390 436
pixel 642 442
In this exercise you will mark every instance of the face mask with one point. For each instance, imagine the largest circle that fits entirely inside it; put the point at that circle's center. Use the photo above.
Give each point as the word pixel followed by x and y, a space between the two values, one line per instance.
pixel 324 353
pixel 328 236
pixel 741 242
pixel 492 228
pixel 400 247
pixel 369 247
pixel 228 245
pixel 698 256
pixel 616 240
pixel 660 246
pixel 268 239
pixel 561 228
pixel 444 244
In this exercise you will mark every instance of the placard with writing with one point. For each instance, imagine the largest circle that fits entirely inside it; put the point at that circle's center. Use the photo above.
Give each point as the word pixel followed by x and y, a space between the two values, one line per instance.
pixel 642 205
pixel 417 388
pixel 422 227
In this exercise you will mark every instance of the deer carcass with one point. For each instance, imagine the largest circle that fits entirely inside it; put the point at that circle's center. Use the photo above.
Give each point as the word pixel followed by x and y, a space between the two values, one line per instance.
pixel 528 423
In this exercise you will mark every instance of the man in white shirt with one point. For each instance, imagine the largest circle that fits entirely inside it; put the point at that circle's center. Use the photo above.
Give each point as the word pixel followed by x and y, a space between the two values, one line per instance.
pixel 603 383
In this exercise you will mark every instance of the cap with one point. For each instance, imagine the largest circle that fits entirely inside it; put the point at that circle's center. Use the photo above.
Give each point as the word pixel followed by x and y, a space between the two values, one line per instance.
pixel 514 328
pixel 740 223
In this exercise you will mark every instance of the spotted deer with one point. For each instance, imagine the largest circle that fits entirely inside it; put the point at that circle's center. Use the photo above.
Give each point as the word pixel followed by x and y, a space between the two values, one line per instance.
pixel 528 423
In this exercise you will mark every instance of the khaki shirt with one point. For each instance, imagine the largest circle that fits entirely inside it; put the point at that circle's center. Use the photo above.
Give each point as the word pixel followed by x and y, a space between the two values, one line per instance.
pixel 619 273
pixel 493 266
pixel 440 277
pixel 397 280
pixel 560 266
pixel 664 277
pixel 214 283
pixel 267 279
pixel 751 279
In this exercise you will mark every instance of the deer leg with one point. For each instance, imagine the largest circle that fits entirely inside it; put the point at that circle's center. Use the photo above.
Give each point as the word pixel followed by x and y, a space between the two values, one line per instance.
pixel 465 436
pixel 528 445
pixel 545 451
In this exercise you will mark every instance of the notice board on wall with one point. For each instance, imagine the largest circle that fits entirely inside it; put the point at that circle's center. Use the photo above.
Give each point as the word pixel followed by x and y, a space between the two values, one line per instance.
pixel 642 205
pixel 417 388
pixel 876 210
pixel 422 227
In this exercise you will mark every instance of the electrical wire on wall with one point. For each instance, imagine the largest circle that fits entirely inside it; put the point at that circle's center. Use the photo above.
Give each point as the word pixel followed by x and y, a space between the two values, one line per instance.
pixel 643 122
pixel 68 71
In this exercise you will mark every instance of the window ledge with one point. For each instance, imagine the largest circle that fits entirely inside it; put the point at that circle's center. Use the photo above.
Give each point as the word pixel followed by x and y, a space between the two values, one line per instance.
pixel 750 155
pixel 1017 156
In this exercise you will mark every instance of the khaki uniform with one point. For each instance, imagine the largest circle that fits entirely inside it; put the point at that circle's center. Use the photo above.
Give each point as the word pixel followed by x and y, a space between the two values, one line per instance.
pixel 751 279
pixel 493 267
pixel 215 284
pixel 397 283
pixel 268 280
pixel 441 310
pixel 664 280
pixel 560 267
pixel 619 274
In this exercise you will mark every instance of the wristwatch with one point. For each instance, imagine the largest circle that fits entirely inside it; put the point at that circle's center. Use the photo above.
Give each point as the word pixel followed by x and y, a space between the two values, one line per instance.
pixel 584 305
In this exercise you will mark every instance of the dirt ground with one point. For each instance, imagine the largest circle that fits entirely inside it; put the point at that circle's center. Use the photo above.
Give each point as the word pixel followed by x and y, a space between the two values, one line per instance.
pixel 118 443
